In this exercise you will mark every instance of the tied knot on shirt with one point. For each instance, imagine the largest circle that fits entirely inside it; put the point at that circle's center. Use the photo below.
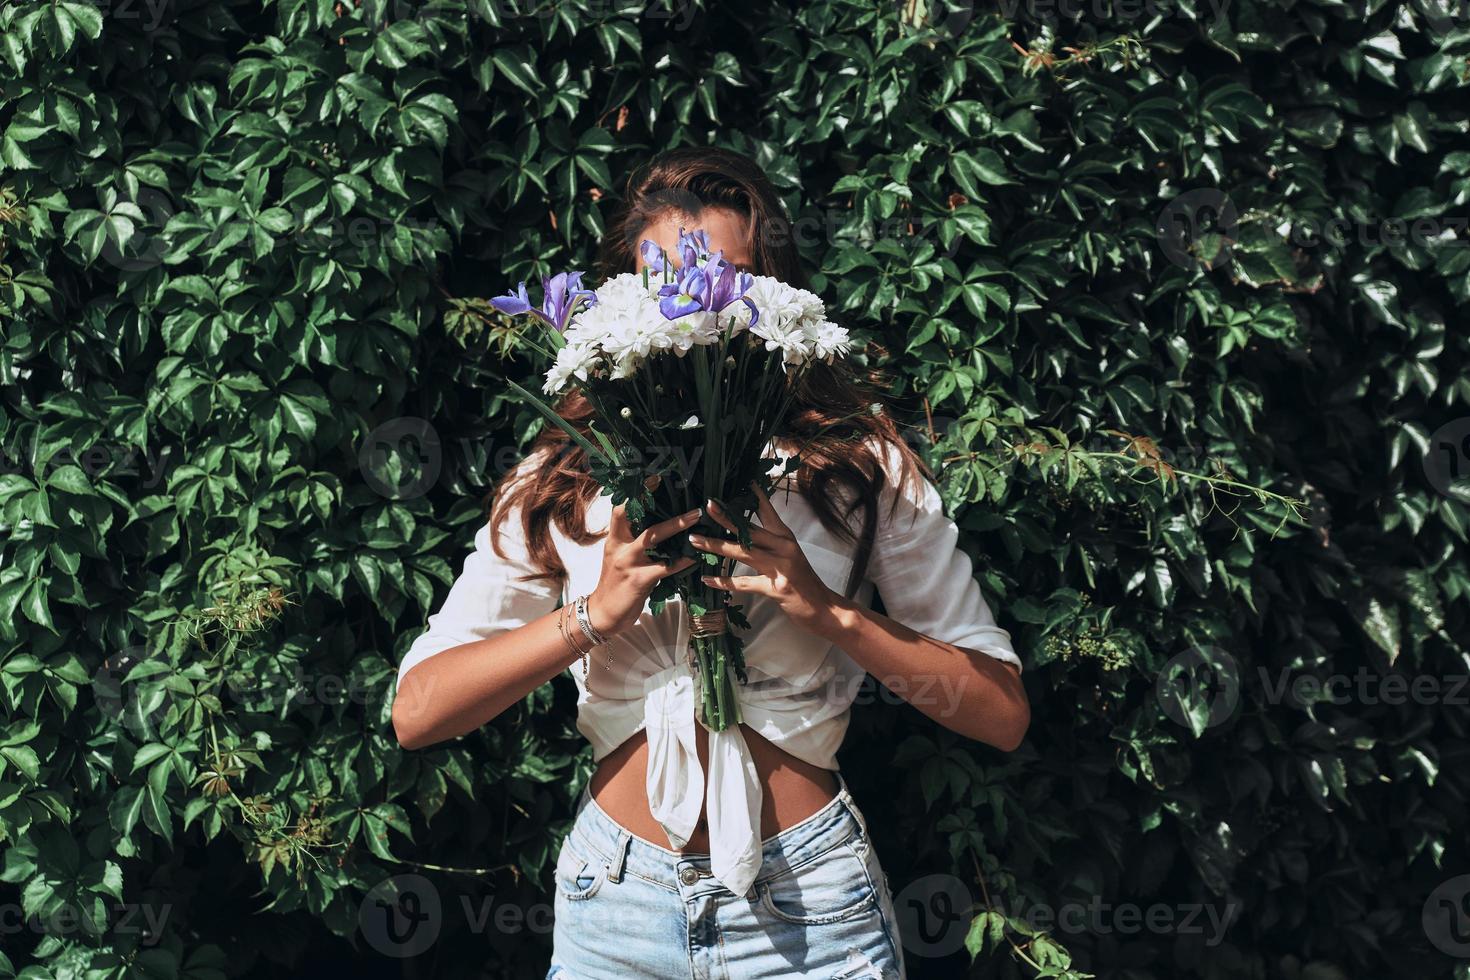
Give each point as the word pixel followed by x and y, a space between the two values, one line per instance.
pixel 677 786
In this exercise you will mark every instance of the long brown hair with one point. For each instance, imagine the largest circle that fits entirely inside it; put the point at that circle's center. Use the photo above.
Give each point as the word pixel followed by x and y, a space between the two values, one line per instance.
pixel 841 440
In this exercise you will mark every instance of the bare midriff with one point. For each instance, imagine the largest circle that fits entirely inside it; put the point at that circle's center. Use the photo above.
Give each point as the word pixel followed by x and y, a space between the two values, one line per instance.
pixel 791 790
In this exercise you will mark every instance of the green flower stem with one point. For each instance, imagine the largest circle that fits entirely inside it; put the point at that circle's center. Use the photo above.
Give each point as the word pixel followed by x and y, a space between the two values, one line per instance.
pixel 719 661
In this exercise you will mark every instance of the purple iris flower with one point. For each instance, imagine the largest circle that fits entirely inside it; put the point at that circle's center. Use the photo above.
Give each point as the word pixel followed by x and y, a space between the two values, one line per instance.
pixel 730 285
pixel 562 294
pixel 653 256
pixel 685 294
pixel 693 246
pixel 711 287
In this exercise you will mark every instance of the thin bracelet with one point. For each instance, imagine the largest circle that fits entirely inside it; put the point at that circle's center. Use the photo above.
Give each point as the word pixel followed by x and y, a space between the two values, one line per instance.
pixel 572 635
pixel 584 620
pixel 562 625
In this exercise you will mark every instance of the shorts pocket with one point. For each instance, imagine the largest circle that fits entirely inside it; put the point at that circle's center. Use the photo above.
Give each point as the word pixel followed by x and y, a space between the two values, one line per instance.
pixel 833 887
pixel 577 878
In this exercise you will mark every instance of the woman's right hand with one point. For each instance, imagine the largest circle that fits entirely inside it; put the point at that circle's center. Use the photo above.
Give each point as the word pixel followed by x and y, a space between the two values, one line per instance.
pixel 628 574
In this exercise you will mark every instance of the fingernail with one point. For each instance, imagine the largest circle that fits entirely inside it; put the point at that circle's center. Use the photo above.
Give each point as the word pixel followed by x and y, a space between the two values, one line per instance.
pixel 692 513
pixel 696 539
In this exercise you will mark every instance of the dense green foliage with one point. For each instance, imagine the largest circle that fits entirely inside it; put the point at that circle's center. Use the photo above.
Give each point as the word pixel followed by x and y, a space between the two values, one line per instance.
pixel 244 247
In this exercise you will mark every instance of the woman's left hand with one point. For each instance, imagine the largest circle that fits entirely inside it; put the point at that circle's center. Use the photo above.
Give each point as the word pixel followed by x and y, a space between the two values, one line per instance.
pixel 783 573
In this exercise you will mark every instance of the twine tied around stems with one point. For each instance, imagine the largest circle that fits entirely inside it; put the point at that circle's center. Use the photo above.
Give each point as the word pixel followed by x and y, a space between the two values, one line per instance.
pixel 708 624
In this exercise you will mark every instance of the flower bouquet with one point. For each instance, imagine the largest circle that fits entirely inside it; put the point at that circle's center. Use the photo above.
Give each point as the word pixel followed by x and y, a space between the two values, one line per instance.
pixel 689 370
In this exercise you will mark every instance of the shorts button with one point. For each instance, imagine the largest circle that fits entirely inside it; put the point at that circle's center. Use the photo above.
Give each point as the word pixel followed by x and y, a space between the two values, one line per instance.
pixel 688 875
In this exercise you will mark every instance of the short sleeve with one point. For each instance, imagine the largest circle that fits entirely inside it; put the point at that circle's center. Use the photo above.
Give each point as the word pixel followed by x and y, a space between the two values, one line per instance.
pixel 490 596
pixel 926 581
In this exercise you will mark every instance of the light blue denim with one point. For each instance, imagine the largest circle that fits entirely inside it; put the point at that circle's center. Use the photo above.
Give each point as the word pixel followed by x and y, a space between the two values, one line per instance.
pixel 820 907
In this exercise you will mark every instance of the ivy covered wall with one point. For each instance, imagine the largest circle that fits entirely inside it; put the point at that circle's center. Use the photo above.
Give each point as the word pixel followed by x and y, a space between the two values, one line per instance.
pixel 1117 259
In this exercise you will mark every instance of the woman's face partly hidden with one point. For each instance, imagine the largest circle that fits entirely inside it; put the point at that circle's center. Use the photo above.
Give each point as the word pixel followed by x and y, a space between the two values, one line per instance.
pixel 728 231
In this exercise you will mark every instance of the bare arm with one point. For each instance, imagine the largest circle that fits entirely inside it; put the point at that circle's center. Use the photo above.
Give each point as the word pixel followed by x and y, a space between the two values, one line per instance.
pixel 464 687
pixel 458 690
pixel 966 691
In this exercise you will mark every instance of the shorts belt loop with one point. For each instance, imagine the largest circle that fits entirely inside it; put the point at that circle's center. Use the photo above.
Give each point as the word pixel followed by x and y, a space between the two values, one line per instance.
pixel 619 856
pixel 851 805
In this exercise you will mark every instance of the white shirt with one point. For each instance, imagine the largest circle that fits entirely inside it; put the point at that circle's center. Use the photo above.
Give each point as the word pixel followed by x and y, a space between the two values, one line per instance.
pixel 800 688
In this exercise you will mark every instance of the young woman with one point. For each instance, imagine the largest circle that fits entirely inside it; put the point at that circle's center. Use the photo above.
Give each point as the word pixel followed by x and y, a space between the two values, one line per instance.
pixel 738 853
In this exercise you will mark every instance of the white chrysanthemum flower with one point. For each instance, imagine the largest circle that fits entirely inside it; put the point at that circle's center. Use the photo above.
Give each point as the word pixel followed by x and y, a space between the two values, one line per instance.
pixel 794 322
pixel 737 316
pixel 575 360
pixel 626 325
pixel 626 344
pixel 692 328
pixel 791 339
pixel 813 310
pixel 620 300
pixel 774 299
pixel 829 340
pixel 627 290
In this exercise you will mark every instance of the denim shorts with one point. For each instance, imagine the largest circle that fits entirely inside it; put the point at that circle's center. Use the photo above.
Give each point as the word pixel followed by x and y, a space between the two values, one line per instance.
pixel 820 907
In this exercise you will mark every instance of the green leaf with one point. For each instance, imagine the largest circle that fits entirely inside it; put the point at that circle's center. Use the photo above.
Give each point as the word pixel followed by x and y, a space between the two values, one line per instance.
pixel 518 66
pixel 976 168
